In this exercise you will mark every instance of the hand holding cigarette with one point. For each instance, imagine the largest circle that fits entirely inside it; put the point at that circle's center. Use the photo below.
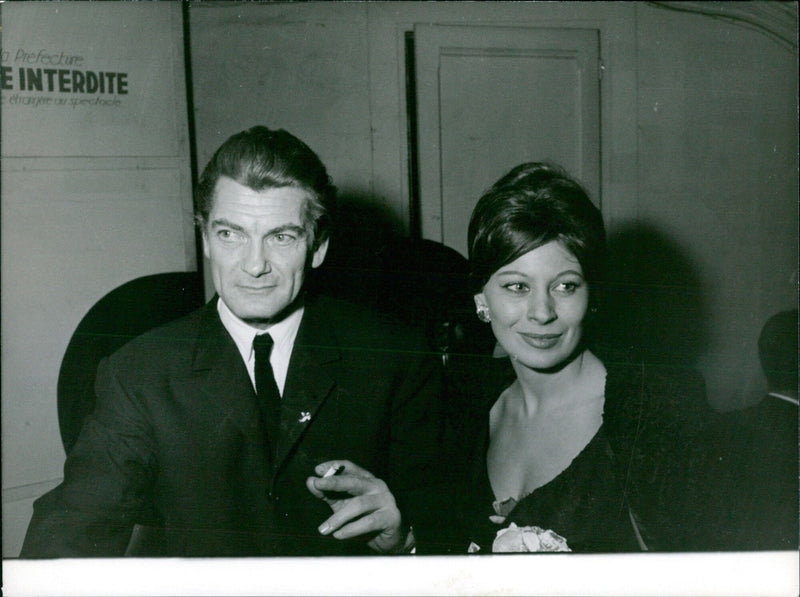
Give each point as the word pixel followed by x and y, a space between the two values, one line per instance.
pixel 334 470
pixel 370 508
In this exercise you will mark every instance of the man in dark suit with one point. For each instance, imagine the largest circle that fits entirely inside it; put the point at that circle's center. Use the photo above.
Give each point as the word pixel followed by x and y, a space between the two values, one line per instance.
pixel 205 443
pixel 751 469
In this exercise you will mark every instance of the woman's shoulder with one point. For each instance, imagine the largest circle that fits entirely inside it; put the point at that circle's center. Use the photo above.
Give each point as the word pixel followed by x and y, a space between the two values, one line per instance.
pixel 637 389
pixel 655 415
pixel 473 382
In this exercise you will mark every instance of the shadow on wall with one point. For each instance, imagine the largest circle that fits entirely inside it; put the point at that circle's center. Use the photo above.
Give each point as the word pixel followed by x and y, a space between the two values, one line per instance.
pixel 361 221
pixel 653 300
pixel 371 262
pixel 361 231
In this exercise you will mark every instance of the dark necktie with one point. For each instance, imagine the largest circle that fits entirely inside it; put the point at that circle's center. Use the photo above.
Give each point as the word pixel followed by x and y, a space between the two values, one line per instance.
pixel 269 398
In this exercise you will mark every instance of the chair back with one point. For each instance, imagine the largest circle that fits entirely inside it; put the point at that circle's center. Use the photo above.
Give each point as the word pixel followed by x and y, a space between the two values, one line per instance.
pixel 421 282
pixel 124 313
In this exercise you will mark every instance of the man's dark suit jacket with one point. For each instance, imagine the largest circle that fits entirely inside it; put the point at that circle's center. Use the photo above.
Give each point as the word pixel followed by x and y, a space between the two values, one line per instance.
pixel 176 446
pixel 750 473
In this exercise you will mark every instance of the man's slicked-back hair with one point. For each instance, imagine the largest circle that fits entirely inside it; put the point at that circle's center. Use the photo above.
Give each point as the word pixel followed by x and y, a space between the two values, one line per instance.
pixel 260 158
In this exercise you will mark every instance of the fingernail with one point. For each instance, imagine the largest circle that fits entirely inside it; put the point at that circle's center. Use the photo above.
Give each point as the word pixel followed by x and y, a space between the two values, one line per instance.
pixel 324 528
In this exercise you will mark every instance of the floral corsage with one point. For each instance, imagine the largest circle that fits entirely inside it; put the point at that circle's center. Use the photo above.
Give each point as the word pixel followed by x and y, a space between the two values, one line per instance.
pixel 527 539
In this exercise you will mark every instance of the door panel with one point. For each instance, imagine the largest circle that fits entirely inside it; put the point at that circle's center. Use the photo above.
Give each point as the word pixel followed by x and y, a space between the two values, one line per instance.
pixel 489 98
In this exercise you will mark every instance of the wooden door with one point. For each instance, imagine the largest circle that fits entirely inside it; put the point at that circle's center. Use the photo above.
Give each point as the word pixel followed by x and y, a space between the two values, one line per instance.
pixel 489 98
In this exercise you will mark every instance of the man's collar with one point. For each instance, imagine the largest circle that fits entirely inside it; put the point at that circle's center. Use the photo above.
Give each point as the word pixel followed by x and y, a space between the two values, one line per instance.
pixel 784 397
pixel 283 333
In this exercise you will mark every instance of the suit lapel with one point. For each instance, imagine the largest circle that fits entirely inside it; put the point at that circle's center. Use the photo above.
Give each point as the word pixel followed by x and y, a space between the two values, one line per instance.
pixel 310 379
pixel 227 382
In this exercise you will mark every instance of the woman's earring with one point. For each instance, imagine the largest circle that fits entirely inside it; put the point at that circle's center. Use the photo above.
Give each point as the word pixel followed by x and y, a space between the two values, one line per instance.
pixel 483 314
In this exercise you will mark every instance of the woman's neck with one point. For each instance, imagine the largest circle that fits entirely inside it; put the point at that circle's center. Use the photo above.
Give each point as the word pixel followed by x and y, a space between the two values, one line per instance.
pixel 545 390
pixel 542 422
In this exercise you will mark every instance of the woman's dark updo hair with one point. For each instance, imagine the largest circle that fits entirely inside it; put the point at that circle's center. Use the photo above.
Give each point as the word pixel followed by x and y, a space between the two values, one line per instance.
pixel 533 204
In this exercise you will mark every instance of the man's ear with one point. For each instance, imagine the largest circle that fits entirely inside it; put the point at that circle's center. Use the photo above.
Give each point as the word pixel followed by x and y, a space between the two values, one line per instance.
pixel 319 254
pixel 204 234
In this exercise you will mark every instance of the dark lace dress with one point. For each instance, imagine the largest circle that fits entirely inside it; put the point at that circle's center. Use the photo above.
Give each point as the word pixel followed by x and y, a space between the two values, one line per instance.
pixel 585 504
pixel 627 489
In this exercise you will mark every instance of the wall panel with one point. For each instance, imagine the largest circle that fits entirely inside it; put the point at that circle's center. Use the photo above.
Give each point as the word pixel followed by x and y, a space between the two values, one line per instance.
pixel 95 192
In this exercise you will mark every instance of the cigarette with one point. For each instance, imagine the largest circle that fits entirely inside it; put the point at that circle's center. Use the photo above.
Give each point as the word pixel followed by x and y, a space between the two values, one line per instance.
pixel 334 470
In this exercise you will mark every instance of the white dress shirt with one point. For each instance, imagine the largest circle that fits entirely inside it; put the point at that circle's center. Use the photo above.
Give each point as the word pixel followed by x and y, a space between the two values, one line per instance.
pixel 283 335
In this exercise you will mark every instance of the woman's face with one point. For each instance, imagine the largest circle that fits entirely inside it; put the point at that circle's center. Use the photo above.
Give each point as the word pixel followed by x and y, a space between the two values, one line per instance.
pixel 537 304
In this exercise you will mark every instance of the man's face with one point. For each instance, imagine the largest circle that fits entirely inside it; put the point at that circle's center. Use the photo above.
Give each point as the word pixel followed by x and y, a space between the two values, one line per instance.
pixel 257 246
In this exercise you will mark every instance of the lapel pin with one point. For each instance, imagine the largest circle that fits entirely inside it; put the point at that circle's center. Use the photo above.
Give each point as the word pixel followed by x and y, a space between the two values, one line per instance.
pixel 304 416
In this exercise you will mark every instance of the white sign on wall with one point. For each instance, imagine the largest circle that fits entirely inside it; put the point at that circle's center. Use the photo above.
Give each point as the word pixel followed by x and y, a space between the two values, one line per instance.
pixel 96 191
pixel 98 82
